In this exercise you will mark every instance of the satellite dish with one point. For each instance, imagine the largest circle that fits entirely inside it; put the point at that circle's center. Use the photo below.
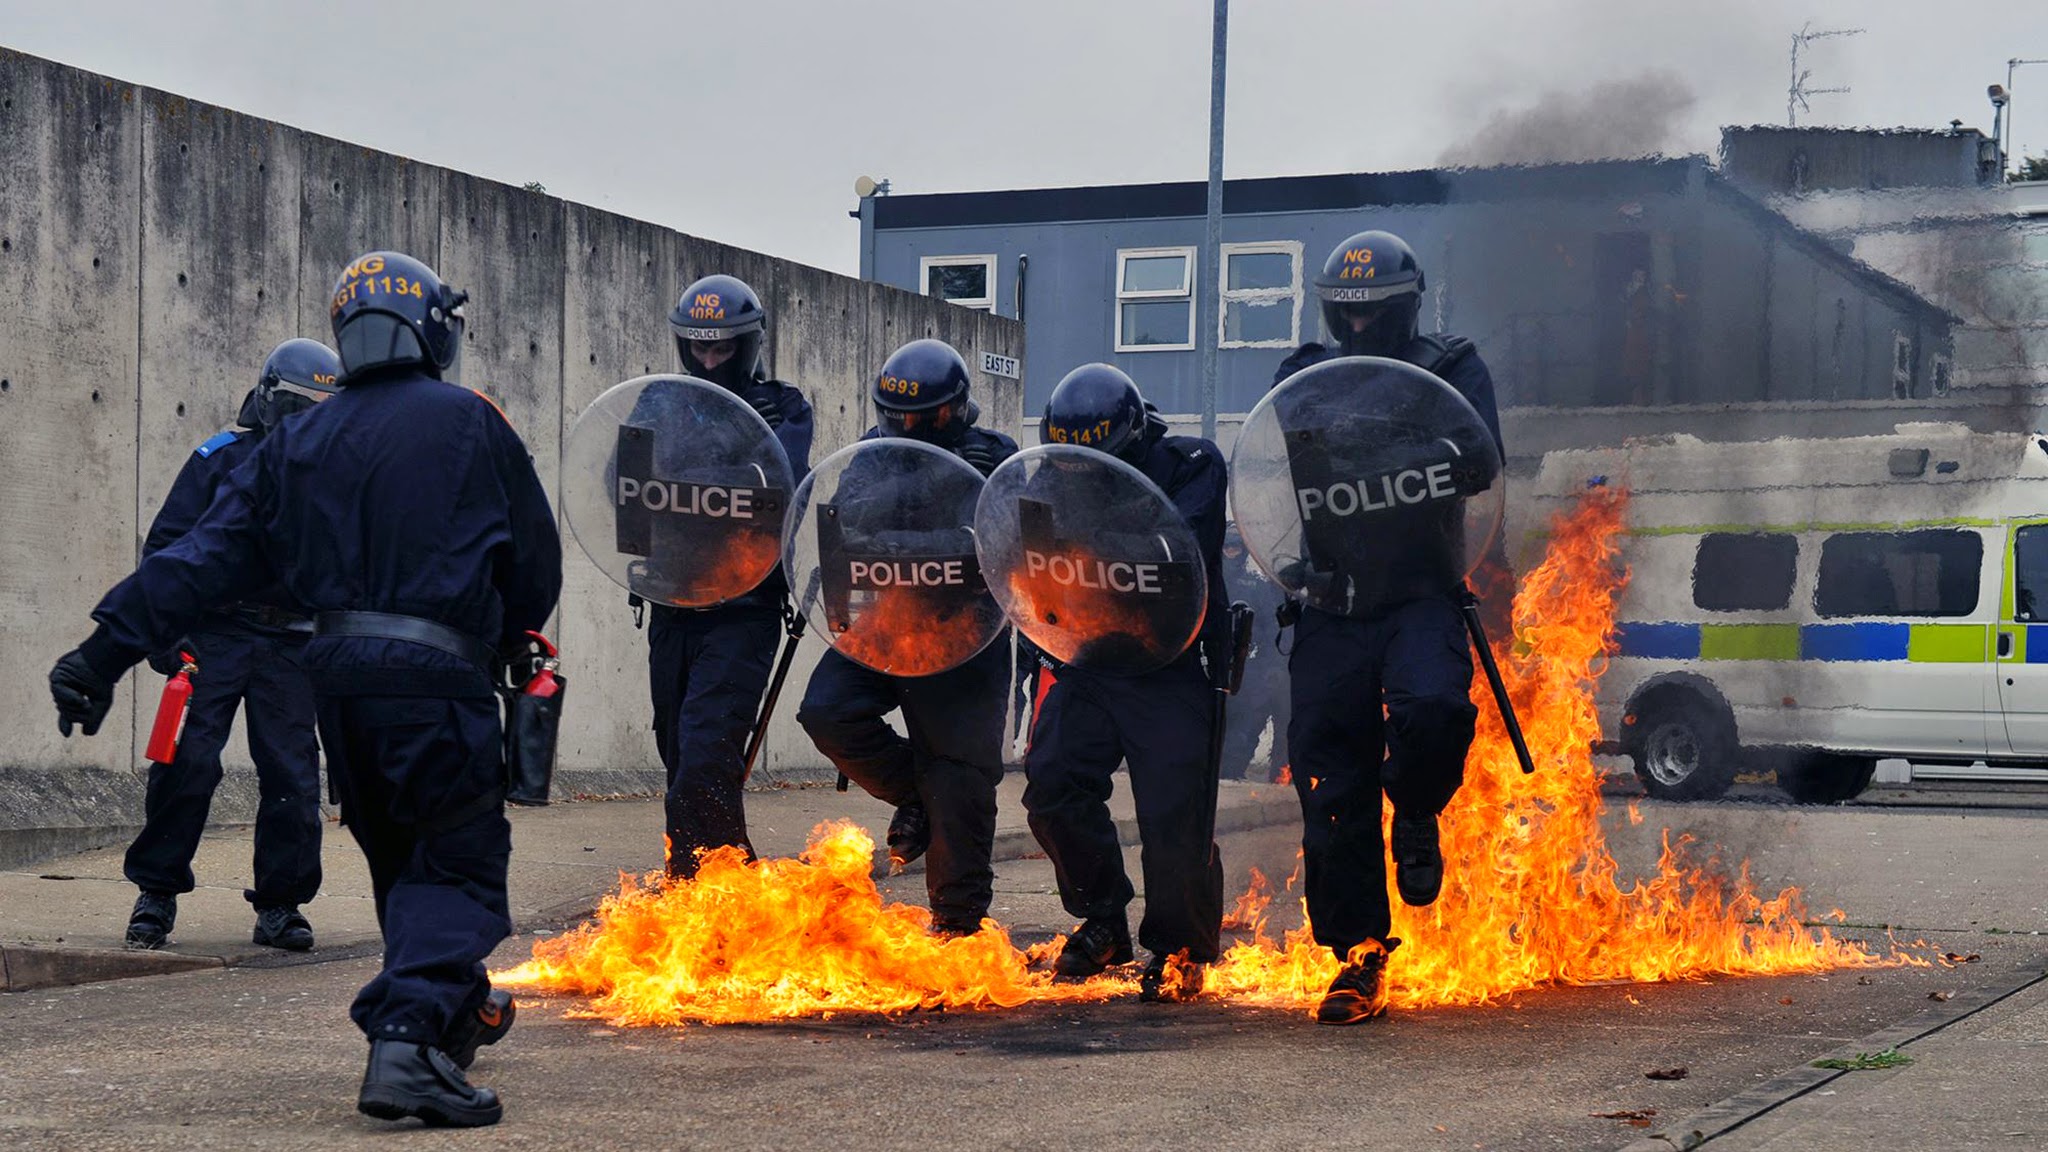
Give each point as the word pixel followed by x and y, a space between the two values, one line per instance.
pixel 864 186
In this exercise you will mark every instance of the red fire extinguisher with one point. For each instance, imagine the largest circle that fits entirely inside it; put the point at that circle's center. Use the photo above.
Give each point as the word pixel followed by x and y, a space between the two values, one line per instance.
pixel 533 724
pixel 170 713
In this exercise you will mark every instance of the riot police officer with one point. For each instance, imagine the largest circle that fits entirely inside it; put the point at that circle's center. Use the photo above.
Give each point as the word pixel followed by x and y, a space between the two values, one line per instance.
pixel 707 668
pixel 247 657
pixel 1382 703
pixel 406 517
pixel 942 779
pixel 1158 723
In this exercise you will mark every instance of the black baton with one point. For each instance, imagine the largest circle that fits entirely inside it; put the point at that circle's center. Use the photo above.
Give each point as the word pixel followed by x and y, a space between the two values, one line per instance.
pixel 1468 604
pixel 794 616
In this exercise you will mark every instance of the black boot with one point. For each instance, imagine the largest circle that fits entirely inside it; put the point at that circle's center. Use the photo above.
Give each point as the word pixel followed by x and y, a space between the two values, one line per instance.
pixel 149 925
pixel 1099 942
pixel 487 1025
pixel 406 1079
pixel 910 834
pixel 282 927
pixel 1171 979
pixel 1357 994
pixel 1418 859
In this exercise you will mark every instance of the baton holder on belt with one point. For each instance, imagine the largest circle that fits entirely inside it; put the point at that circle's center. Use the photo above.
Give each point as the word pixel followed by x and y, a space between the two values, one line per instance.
pixel 533 728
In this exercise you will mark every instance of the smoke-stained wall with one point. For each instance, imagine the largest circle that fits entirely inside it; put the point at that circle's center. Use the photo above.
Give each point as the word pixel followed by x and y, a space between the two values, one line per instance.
pixel 153 250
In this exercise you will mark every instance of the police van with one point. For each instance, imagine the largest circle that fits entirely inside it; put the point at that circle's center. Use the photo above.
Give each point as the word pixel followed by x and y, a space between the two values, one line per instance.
pixel 1815 606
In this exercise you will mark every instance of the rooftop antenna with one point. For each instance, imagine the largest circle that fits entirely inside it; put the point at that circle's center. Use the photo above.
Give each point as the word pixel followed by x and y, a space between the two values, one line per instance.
pixel 1797 92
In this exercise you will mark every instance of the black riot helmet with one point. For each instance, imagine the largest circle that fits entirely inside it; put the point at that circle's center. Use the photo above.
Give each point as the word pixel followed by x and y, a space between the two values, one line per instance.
pixel 1097 406
pixel 712 311
pixel 1371 289
pixel 921 393
pixel 391 311
pixel 299 374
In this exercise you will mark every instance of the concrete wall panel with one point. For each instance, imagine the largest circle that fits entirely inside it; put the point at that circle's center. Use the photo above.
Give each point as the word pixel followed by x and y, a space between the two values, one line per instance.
pixel 355 200
pixel 70 186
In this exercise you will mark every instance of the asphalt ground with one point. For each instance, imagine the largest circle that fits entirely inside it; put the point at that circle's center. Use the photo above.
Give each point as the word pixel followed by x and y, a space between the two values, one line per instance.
pixel 258 1055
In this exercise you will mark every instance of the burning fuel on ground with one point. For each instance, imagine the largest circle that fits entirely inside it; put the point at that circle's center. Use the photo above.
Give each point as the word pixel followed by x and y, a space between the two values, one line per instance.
pixel 1532 896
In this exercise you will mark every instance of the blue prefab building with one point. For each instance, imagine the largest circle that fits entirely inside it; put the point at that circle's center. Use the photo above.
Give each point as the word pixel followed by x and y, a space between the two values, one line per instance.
pixel 1642 284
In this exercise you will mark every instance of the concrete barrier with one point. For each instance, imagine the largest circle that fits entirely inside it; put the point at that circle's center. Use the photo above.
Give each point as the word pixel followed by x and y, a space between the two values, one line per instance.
pixel 153 249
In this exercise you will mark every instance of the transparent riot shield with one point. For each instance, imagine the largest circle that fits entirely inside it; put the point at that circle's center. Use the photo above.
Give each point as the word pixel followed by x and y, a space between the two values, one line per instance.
pixel 676 488
pixel 1361 482
pixel 1090 560
pixel 880 551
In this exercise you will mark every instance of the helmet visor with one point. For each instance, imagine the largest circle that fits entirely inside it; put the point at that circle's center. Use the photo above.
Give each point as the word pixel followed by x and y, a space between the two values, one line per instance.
pixel 376 340
pixel 925 425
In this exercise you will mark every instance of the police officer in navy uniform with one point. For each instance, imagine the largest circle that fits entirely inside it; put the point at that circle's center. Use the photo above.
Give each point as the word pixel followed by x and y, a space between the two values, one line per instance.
pixel 248 657
pixel 406 516
pixel 1158 723
pixel 707 668
pixel 942 779
pixel 1413 660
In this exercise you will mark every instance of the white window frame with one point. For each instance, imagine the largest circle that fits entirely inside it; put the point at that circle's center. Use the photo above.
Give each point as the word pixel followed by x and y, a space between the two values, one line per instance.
pixel 925 264
pixel 1186 292
pixel 1226 296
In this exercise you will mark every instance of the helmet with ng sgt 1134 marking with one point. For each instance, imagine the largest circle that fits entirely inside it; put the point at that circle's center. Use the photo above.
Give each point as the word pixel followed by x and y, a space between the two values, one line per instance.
pixel 718 324
pixel 921 393
pixel 391 311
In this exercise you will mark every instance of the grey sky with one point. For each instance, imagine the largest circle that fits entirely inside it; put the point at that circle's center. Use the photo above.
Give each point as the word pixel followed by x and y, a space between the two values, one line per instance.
pixel 748 120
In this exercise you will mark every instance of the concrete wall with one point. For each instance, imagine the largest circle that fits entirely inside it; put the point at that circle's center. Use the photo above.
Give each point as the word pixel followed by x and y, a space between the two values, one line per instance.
pixel 153 250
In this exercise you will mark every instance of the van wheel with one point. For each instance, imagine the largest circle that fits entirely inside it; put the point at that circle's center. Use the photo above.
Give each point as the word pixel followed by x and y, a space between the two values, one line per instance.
pixel 1826 778
pixel 1686 749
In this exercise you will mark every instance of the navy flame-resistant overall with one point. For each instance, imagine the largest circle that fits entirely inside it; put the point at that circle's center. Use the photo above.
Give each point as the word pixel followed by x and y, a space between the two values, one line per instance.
pixel 953 759
pixel 248 658
pixel 707 669
pixel 401 495
pixel 1380 704
pixel 1159 725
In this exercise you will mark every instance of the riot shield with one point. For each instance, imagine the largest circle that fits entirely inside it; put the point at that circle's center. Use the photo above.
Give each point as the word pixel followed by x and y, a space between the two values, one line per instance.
pixel 677 489
pixel 1090 560
pixel 1361 482
pixel 880 548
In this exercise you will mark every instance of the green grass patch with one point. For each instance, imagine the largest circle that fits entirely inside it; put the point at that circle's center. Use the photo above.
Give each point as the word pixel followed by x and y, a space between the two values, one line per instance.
pixel 1868 1061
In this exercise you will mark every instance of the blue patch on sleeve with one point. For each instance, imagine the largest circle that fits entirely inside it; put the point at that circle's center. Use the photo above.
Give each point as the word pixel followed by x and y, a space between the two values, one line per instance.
pixel 218 441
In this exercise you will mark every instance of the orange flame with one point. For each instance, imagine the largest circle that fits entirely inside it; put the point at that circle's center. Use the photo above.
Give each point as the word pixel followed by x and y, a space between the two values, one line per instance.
pixel 911 632
pixel 1531 895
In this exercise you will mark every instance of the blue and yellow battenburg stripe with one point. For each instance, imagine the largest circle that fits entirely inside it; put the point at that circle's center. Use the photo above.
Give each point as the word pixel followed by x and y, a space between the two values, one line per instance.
pixel 1874 641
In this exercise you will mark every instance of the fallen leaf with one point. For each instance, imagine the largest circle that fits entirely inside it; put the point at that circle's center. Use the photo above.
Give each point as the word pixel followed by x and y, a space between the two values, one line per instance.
pixel 1677 1073
pixel 1630 1114
pixel 1941 996
pixel 1784 999
pixel 1959 958
pixel 1438 1128
pixel 1865 980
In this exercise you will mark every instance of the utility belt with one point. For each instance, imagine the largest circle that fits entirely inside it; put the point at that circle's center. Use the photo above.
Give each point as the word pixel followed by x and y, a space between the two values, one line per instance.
pixel 528 684
pixel 412 629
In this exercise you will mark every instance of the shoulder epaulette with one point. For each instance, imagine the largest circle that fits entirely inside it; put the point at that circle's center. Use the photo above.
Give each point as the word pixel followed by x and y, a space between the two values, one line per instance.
pixel 218 441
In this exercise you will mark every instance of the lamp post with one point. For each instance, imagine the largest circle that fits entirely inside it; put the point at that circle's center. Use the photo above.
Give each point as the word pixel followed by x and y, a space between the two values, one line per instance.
pixel 1208 286
pixel 2005 149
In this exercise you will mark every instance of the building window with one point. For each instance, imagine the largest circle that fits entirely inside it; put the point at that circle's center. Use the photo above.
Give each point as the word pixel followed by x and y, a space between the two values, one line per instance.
pixel 969 281
pixel 1902 366
pixel 1738 572
pixel 1934 572
pixel 1261 295
pixel 1944 375
pixel 1155 301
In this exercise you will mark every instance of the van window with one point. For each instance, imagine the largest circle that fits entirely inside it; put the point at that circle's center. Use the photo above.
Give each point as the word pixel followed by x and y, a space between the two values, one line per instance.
pixel 1927 573
pixel 2030 573
pixel 1738 572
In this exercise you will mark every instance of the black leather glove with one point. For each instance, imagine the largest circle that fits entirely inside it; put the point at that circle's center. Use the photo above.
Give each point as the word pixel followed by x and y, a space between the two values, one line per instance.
pixel 170 660
pixel 83 696
pixel 769 406
pixel 980 454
